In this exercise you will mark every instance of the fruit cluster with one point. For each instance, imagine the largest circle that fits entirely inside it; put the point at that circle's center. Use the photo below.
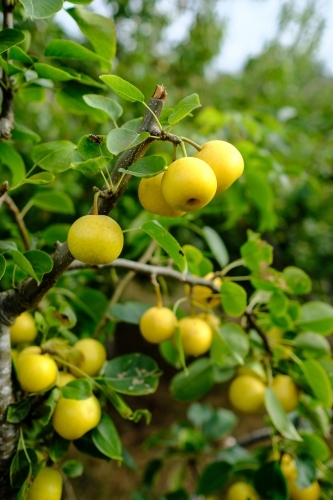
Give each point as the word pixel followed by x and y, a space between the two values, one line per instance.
pixel 39 369
pixel 190 183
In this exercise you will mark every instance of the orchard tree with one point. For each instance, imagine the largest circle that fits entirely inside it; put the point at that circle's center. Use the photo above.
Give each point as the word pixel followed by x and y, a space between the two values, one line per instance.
pixel 260 336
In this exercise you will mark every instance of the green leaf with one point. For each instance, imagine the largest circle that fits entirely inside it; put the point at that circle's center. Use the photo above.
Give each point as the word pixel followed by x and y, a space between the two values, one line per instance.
pixel 21 466
pixel 22 262
pixel 18 411
pixel 297 280
pixel 234 343
pixel 314 446
pixel 59 447
pixel 213 478
pixel 77 389
pixel 48 406
pixel 72 468
pixel 106 438
pixel 270 482
pixel 70 98
pixel 22 133
pixel 53 156
pixel 169 244
pixel 99 30
pixel 129 312
pixel 123 88
pixel 67 49
pixel 32 93
pixel 220 423
pixel 93 166
pixel 314 344
pixel 196 382
pixel 86 445
pixel 133 374
pixel 306 471
pixel 56 232
pixel 2 265
pixel 216 245
pixel 40 179
pixel 7 245
pixel 54 201
pixel 279 417
pixel 10 37
pixel 40 261
pixel 317 317
pixel 121 139
pixel 278 303
pixel 318 380
pixel 93 146
pixel 51 73
pixel 233 298
pixel 149 166
pixel 41 8
pixel 13 160
pixel 109 106
pixel 255 251
pixel 184 108
pixel 18 54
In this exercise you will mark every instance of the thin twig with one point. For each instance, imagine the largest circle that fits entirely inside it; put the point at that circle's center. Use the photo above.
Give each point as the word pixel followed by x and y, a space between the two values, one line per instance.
pixel 252 322
pixel 18 219
pixel 122 285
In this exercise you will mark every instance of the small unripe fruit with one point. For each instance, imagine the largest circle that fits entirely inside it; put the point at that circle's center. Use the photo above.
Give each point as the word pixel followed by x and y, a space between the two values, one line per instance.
pixel 95 239
pixel 72 418
pixel 151 197
pixel 46 486
pixel 241 491
pixel 247 394
pixel 275 333
pixel 286 392
pixel 157 324
pixel 92 357
pixel 24 329
pixel 188 184
pixel 196 336
pixel 36 372
pixel 225 160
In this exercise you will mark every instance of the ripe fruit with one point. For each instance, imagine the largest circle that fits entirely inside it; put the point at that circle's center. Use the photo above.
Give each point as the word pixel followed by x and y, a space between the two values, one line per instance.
pixel 310 493
pixel 247 394
pixel 95 239
pixel 286 392
pixel 204 295
pixel 225 160
pixel 72 418
pixel 24 329
pixel 188 184
pixel 151 198
pixel 241 491
pixel 47 485
pixel 92 357
pixel 196 335
pixel 288 467
pixel 32 349
pixel 36 372
pixel 64 378
pixel 157 324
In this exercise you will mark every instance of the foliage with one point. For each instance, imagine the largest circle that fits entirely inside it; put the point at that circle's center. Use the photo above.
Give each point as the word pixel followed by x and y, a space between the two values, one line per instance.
pixel 266 324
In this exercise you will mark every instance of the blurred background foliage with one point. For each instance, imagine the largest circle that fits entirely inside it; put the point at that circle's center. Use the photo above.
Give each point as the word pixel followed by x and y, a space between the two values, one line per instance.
pixel 277 111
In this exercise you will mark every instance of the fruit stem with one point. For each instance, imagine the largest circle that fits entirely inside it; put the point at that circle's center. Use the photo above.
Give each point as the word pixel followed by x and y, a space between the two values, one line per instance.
pixel 194 144
pixel 174 156
pixel 157 290
pixel 183 148
pixel 95 205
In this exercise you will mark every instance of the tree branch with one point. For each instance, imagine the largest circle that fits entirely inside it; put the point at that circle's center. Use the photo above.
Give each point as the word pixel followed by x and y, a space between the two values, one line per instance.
pixel 148 269
pixel 252 323
pixel 18 219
